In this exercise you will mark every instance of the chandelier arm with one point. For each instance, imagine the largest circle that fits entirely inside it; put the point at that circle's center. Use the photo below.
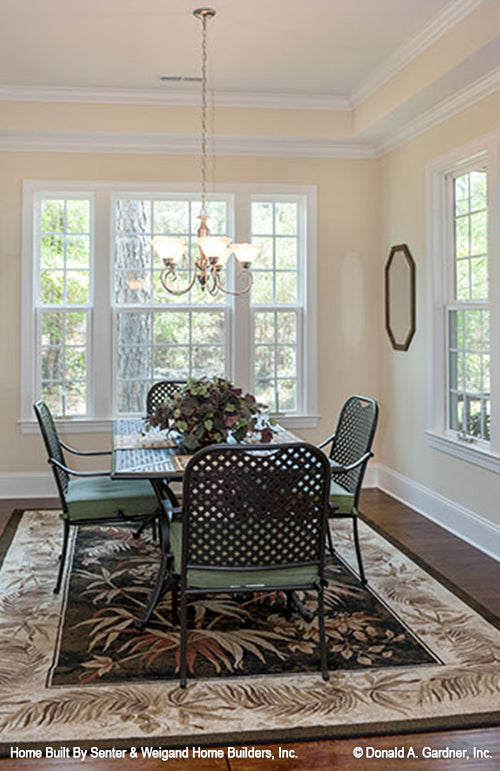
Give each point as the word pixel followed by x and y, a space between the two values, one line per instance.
pixel 237 292
pixel 215 287
pixel 166 272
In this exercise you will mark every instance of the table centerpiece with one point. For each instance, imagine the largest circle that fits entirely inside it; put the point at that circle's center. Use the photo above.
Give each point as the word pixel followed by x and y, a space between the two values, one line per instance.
pixel 211 410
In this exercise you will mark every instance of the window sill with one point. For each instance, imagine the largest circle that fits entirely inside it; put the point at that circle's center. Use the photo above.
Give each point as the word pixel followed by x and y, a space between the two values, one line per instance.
pixel 105 426
pixel 70 426
pixel 476 452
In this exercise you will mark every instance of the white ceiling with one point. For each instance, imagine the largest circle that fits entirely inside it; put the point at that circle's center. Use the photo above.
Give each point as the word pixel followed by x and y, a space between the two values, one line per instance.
pixel 307 47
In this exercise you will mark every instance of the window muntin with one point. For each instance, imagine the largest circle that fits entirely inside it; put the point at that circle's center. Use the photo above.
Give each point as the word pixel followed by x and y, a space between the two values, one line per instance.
pixel 469 399
pixel 166 345
pixel 63 238
pixel 64 361
pixel 471 236
pixel 64 251
pixel 469 372
pixel 275 359
pixel 275 302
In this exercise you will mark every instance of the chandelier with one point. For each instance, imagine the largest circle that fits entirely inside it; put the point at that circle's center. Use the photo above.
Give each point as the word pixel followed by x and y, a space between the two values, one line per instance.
pixel 214 251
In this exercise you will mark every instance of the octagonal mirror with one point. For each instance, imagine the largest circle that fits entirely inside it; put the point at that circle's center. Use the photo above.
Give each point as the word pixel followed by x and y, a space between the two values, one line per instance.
pixel 400 311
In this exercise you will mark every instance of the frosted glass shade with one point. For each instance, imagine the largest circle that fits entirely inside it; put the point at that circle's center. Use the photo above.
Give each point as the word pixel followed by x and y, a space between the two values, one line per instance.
pixel 246 252
pixel 215 246
pixel 169 247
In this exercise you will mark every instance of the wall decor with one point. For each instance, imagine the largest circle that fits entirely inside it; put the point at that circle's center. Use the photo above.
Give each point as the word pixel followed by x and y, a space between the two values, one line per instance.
pixel 400 297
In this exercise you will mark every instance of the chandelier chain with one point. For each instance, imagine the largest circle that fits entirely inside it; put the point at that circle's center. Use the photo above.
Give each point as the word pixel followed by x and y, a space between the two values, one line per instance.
pixel 204 60
pixel 205 271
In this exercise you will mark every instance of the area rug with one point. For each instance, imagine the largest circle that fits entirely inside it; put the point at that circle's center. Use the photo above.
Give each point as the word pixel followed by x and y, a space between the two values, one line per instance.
pixel 406 655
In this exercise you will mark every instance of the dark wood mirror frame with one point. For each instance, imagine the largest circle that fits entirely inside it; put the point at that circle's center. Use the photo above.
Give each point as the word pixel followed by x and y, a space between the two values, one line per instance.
pixel 402 342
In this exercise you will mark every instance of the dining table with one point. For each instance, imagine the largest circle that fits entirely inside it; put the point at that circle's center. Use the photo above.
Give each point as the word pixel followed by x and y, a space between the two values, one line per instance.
pixel 140 452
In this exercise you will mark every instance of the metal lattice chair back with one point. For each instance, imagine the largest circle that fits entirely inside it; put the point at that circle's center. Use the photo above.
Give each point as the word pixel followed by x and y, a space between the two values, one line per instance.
pixel 249 507
pixel 354 437
pixel 161 391
pixel 52 445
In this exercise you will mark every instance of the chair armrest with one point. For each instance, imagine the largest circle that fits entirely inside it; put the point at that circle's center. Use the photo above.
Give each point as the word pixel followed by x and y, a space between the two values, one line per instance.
pixel 81 452
pixel 75 473
pixel 326 441
pixel 344 469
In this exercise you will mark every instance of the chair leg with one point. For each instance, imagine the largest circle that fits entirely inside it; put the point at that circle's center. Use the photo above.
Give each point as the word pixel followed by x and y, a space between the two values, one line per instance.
pixel 166 565
pixel 358 550
pixel 183 639
pixel 288 606
pixel 329 538
pixel 62 558
pixel 322 637
pixel 161 586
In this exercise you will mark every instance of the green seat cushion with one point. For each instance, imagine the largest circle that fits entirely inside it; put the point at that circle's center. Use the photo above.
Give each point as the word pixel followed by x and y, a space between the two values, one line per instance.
pixel 104 498
pixel 224 579
pixel 341 498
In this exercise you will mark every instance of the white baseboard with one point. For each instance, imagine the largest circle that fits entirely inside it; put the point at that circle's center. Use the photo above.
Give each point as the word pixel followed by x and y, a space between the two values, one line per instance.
pixel 35 485
pixel 371 475
pixel 41 484
pixel 465 524
pixel 462 522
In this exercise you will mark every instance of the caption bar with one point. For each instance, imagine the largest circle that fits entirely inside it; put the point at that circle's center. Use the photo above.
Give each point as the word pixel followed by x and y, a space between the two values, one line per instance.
pixel 159 753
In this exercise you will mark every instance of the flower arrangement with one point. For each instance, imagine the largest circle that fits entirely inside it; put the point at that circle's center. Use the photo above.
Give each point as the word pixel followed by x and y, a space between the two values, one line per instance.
pixel 211 410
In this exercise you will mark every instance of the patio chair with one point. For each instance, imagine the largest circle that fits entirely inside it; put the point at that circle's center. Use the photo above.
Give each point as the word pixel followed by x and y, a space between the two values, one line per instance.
pixel 161 391
pixel 91 496
pixel 349 455
pixel 253 520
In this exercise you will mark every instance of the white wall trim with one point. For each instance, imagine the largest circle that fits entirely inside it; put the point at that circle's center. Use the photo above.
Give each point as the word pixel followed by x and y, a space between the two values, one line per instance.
pixel 145 143
pixel 180 144
pixel 40 484
pixel 465 524
pixel 37 484
pixel 442 23
pixel 471 453
pixel 479 89
pixel 172 95
pixel 371 476
pixel 462 522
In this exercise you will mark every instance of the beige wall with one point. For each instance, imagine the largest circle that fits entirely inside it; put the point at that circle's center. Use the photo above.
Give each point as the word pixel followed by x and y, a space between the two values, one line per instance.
pixel 364 206
pixel 237 121
pixel 349 287
pixel 404 375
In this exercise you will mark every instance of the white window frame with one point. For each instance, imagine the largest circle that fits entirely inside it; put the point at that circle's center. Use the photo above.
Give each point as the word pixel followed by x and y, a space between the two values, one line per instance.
pixel 102 326
pixel 485 151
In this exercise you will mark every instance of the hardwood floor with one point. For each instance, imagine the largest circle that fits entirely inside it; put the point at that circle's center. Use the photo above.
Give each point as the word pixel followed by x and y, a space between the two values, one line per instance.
pixel 472 571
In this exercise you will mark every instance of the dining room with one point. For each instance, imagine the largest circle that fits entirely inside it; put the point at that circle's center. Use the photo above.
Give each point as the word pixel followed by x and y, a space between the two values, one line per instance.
pixel 249 324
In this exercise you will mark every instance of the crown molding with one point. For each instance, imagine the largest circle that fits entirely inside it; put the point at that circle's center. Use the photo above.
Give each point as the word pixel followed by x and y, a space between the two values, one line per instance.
pixel 180 144
pixel 468 96
pixel 448 18
pixel 175 97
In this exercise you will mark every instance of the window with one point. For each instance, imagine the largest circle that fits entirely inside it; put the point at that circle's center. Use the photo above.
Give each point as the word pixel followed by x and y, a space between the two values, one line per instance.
pixel 178 336
pixel 464 269
pixel 62 301
pixel 468 308
pixel 104 328
pixel 275 303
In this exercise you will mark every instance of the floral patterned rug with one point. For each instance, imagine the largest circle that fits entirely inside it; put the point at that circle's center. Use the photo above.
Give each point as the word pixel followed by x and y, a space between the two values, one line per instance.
pixel 407 653
pixel 248 635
